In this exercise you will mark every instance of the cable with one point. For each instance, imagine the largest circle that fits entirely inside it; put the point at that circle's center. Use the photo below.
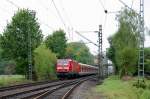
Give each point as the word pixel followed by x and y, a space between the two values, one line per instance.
pixel 59 14
pixel 47 25
pixel 125 4
pixel 102 4
pixel 105 20
pixel 86 38
pixel 68 19
pixel 13 3
pixel 66 14
pixel 132 4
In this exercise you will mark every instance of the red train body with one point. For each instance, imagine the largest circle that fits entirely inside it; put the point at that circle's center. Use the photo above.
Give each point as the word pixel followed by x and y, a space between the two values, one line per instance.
pixel 71 68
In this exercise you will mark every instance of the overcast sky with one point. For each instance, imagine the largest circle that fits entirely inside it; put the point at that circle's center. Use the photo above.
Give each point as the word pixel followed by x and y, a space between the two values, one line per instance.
pixel 74 15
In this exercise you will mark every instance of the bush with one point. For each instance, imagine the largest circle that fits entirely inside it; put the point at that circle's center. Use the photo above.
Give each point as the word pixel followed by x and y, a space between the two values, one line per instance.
pixel 140 84
pixel 44 62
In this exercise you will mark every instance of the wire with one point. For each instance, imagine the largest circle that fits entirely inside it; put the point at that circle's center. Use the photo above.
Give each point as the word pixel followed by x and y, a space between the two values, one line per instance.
pixel 13 3
pixel 132 4
pixel 86 38
pixel 125 4
pixel 102 4
pixel 128 7
pixel 47 25
pixel 70 23
pixel 66 14
pixel 59 14
pixel 105 20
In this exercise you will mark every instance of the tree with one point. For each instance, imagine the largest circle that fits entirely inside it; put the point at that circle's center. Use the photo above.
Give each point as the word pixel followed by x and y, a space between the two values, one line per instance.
pixel 45 62
pixel 14 40
pixel 147 59
pixel 110 53
pixel 80 52
pixel 124 43
pixel 57 43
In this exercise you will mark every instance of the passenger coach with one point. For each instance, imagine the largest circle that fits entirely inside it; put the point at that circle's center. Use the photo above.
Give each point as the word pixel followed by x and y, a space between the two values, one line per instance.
pixel 71 68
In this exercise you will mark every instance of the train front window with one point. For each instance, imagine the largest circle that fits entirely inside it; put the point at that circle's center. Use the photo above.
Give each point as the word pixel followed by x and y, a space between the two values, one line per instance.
pixel 62 62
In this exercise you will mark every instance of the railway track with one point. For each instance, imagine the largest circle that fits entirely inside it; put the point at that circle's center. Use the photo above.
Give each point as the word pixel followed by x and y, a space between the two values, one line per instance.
pixel 62 92
pixel 25 85
pixel 40 90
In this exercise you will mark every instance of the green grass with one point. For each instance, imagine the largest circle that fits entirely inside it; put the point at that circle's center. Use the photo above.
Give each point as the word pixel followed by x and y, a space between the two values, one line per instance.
pixel 6 80
pixel 114 88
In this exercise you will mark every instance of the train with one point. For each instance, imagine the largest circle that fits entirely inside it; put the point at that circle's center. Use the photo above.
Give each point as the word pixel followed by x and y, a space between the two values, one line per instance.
pixel 70 68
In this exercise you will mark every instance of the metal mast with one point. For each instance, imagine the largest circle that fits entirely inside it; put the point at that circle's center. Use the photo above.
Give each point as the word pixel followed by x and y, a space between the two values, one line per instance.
pixel 141 42
pixel 100 72
pixel 30 48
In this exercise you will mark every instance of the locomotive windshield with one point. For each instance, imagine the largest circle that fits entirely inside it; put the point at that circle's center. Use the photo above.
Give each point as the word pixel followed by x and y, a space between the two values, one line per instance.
pixel 62 62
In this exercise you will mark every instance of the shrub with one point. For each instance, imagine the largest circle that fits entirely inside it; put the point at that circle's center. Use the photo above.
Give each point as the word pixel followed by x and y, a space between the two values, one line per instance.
pixel 140 84
pixel 44 63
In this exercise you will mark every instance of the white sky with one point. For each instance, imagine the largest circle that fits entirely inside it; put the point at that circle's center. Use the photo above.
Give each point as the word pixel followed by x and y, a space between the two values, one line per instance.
pixel 78 15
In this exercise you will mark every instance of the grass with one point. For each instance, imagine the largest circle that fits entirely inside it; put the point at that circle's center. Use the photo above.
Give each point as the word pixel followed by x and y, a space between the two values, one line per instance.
pixel 114 88
pixel 6 80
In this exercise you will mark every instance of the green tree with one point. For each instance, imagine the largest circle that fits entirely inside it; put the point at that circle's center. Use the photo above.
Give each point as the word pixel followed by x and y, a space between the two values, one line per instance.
pixel 110 53
pixel 80 52
pixel 14 40
pixel 147 59
pixel 57 43
pixel 45 62
pixel 124 43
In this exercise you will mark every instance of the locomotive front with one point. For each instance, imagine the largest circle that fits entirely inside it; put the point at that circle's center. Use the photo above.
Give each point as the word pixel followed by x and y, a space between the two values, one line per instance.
pixel 63 67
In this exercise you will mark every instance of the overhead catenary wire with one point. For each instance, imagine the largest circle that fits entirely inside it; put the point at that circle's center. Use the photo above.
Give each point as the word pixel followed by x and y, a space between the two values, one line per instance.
pixel 85 38
pixel 13 3
pixel 70 30
pixel 125 4
pixel 65 13
pixel 132 4
pixel 102 4
pixel 59 14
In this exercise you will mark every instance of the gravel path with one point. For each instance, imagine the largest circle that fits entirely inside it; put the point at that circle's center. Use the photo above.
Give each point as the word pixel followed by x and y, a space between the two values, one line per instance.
pixel 82 91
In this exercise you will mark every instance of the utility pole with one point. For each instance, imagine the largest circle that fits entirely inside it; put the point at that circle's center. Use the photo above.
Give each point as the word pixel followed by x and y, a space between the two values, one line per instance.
pixel 141 42
pixel 100 63
pixel 30 69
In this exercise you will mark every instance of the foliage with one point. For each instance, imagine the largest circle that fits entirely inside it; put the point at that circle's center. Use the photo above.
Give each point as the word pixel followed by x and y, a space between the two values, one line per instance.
pixel 128 60
pixel 124 43
pixel 80 52
pixel 147 59
pixel 57 43
pixel 44 63
pixel 14 40
pixel 110 53
pixel 114 88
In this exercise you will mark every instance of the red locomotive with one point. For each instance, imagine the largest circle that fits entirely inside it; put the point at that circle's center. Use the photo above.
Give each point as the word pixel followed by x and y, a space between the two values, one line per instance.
pixel 71 68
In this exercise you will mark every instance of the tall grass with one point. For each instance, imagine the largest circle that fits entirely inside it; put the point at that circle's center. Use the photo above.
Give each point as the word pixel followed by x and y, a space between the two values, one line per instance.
pixel 6 80
pixel 114 88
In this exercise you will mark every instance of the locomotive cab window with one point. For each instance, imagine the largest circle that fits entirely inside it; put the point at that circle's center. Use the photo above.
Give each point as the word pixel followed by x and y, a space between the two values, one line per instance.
pixel 62 62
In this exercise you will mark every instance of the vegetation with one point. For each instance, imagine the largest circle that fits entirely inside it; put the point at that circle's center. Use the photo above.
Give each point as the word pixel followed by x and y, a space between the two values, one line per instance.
pixel 6 80
pixel 57 43
pixel 114 88
pixel 14 40
pixel 147 59
pixel 123 51
pixel 80 52
pixel 44 63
